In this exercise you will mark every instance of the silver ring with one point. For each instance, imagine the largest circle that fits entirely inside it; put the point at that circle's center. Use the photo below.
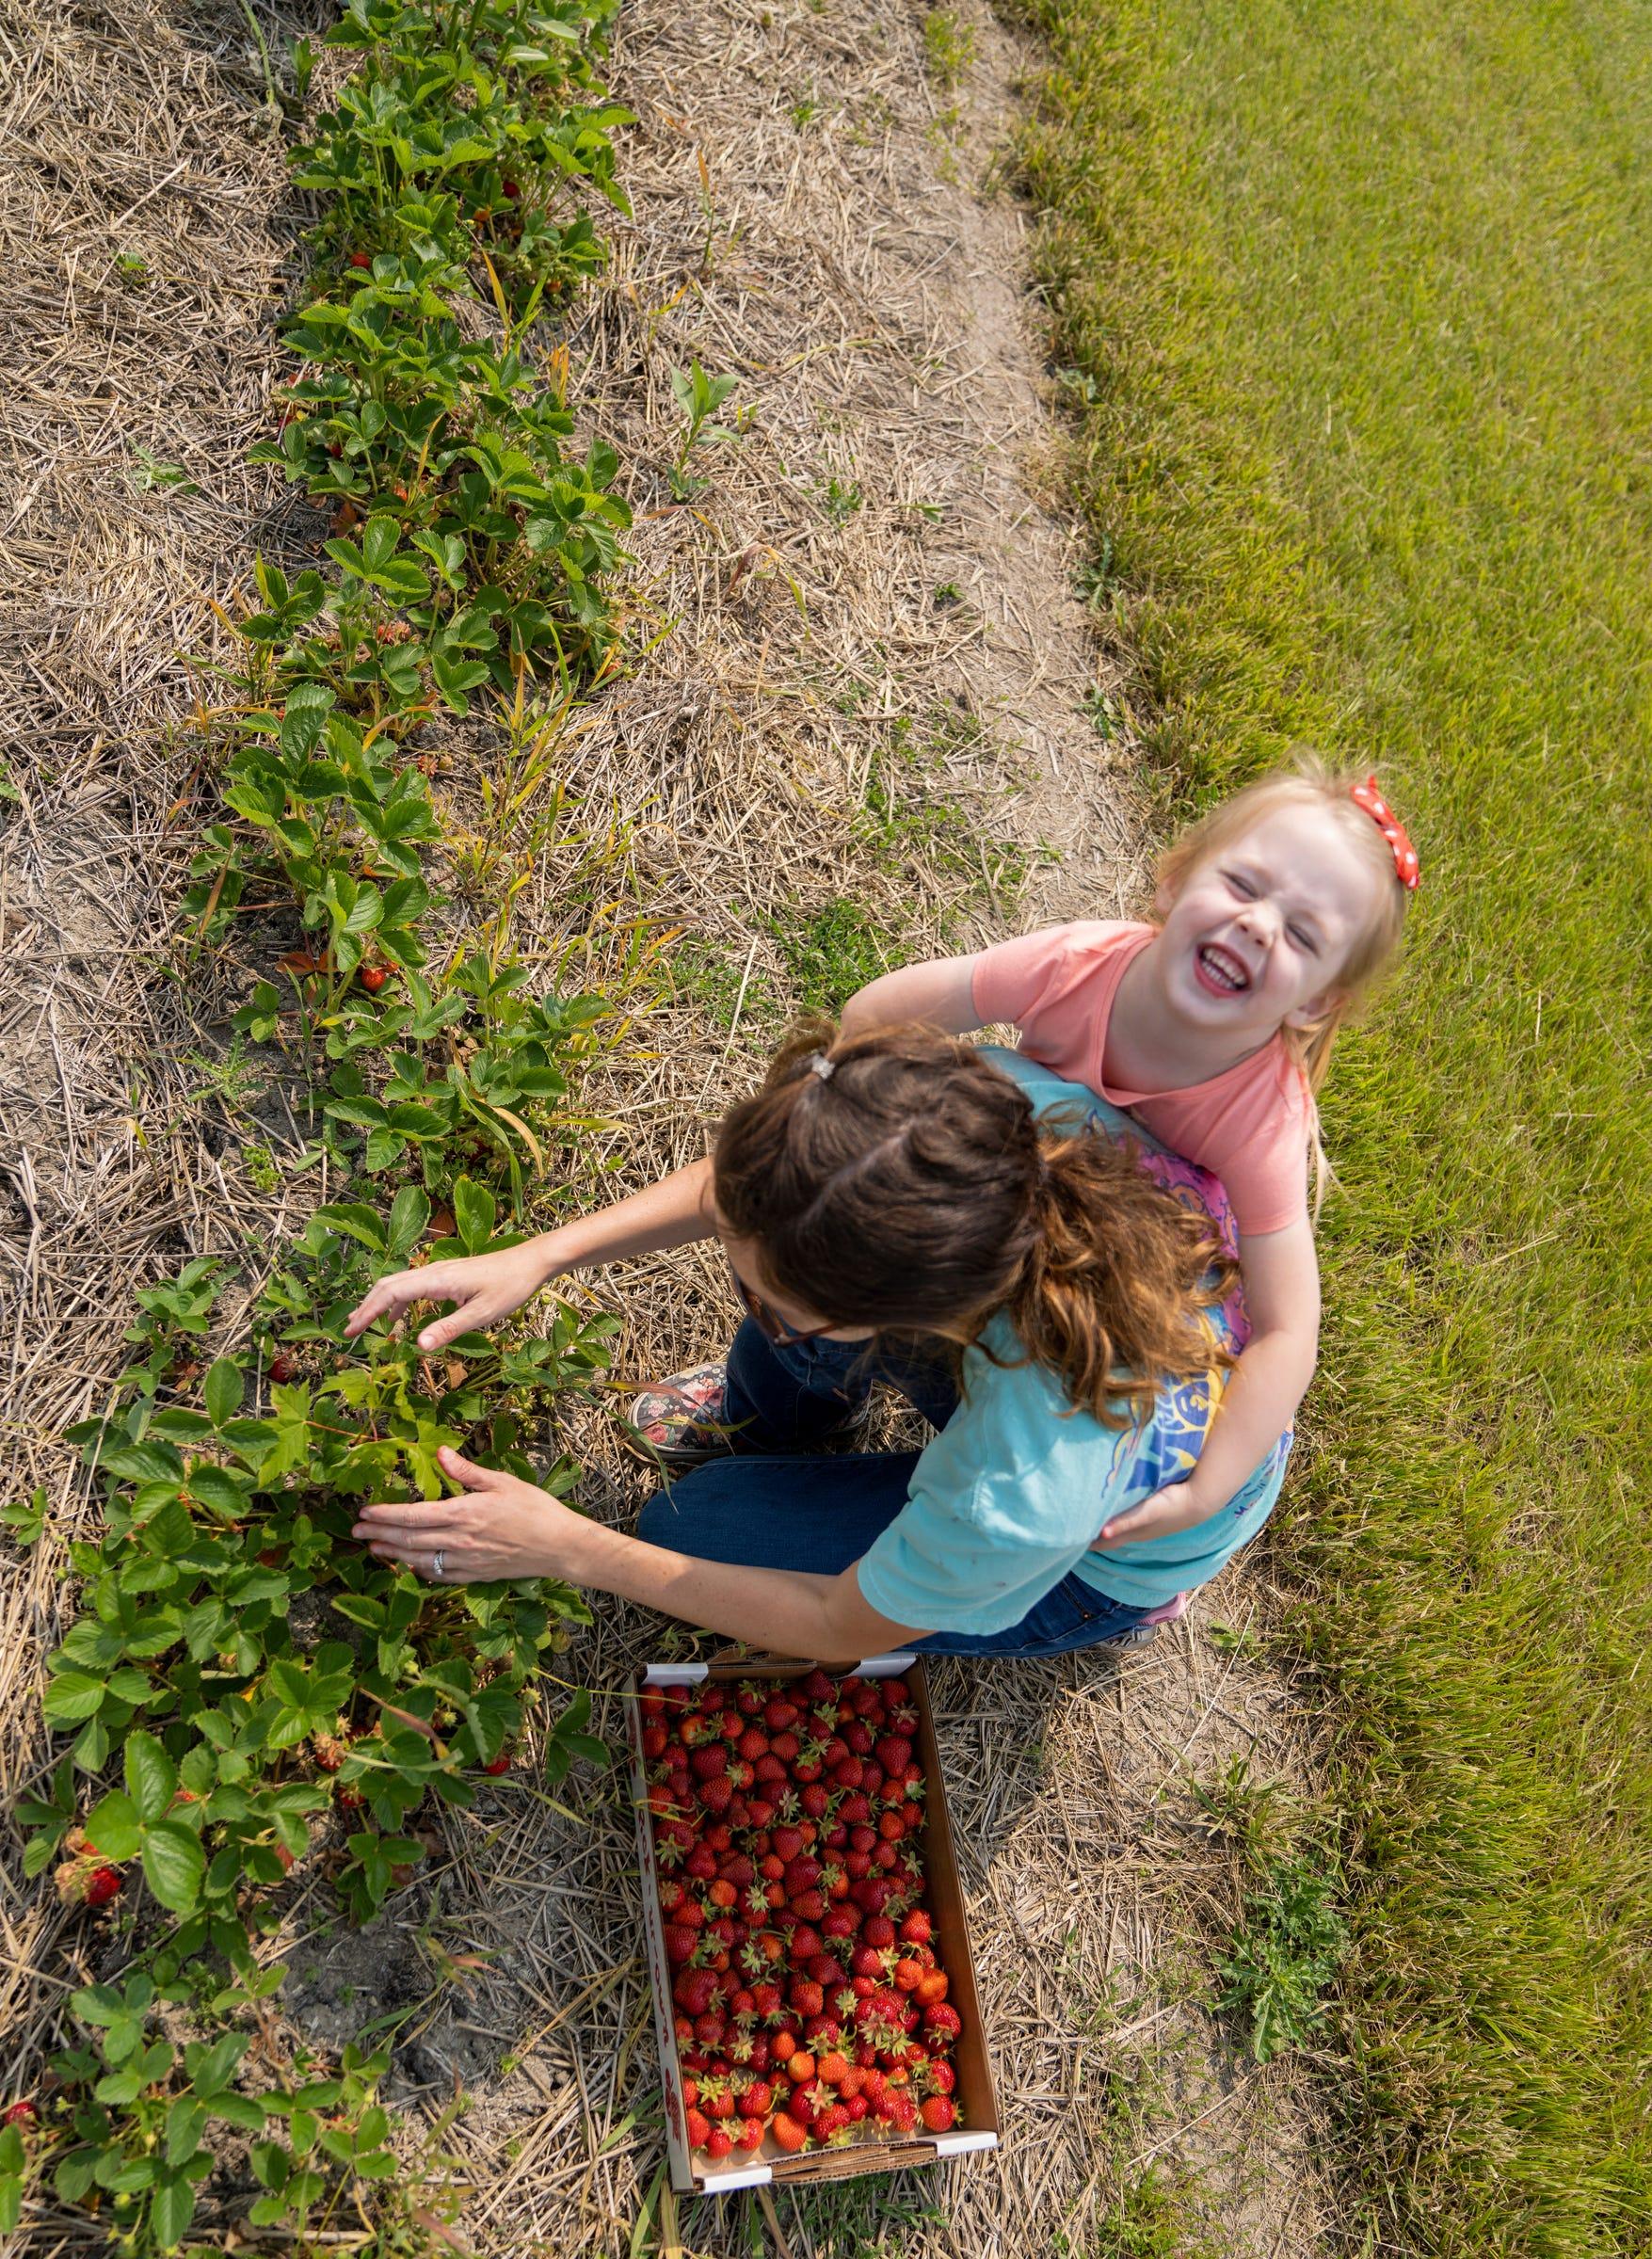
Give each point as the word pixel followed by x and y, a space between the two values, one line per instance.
pixel 435 1567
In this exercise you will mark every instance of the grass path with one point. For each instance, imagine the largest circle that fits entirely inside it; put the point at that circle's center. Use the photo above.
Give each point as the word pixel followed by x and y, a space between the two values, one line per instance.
pixel 1361 303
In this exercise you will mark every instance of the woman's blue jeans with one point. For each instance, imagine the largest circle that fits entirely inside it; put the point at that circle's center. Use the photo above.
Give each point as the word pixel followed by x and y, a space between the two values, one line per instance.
pixel 783 1502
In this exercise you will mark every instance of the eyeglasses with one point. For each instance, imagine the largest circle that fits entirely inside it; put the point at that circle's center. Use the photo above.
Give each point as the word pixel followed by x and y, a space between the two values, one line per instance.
pixel 772 1327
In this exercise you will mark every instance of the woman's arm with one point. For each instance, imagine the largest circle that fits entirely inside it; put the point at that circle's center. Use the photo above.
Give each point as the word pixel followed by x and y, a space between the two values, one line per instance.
pixel 487 1288
pixel 501 1527
pixel 1282 1296
pixel 938 994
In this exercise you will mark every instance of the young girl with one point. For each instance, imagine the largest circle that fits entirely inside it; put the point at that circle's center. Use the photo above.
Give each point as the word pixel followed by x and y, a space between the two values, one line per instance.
pixel 1214 1028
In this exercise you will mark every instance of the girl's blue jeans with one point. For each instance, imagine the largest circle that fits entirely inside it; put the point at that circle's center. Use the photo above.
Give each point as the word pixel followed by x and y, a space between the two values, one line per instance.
pixel 783 1502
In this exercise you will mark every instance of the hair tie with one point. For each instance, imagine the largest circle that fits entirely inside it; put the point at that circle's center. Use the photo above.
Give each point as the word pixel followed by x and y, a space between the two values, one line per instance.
pixel 820 1064
pixel 1407 869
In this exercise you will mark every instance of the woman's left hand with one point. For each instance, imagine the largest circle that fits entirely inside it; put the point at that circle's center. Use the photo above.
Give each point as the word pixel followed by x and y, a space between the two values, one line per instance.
pixel 1177 1506
pixel 499 1527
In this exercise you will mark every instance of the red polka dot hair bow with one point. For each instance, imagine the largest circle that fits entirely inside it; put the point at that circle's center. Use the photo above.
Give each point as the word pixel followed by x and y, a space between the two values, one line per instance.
pixel 1407 869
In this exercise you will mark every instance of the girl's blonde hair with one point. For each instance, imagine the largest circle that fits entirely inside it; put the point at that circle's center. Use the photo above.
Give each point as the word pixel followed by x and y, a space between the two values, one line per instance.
pixel 1309 783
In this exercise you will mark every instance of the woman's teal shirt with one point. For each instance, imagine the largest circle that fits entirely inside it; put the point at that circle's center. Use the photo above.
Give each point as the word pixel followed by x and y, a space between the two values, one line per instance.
pixel 1005 1501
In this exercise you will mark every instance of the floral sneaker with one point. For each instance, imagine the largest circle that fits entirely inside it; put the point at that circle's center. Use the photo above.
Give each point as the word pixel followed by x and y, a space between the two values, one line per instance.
pixel 681 1420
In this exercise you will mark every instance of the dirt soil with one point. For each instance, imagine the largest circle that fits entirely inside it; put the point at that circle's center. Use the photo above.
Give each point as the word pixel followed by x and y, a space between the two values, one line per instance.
pixel 870 681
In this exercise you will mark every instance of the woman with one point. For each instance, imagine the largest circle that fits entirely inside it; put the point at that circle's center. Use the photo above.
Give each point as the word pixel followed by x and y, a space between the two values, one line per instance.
pixel 903 1206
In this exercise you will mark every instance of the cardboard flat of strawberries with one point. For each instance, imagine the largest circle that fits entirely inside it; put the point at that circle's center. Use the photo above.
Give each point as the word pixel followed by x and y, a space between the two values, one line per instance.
pixel 908 2083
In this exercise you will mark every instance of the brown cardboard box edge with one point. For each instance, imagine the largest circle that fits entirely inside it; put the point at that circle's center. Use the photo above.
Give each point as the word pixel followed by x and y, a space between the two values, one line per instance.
pixel 977 2102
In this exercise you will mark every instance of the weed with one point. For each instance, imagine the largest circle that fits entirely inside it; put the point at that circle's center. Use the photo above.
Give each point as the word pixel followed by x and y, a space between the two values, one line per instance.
pixel 949 45
pixel 151 475
pixel 946 594
pixel 130 267
pixel 1284 1954
pixel 804 112
pixel 1250 1815
pixel 699 397
pixel 1100 711
pixel 833 954
pixel 840 502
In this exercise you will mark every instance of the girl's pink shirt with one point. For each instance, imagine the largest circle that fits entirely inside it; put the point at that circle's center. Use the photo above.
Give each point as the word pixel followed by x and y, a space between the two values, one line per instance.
pixel 1248 1125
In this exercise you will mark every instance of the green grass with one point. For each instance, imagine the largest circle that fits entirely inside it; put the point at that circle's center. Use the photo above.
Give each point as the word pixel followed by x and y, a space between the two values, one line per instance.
pixel 1357 308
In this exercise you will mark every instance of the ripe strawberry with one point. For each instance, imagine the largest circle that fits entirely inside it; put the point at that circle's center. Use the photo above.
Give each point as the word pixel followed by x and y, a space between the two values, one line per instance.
pixel 756 2099
pixel 786 1844
pixel 497 1766
pixel 832 2067
pixel 917 1929
pixel 281 1370
pixel 654 1739
pixel 680 1942
pixel 699 2129
pixel 943 2024
pixel 778 1713
pixel 800 2067
pixel 103 1884
pixel 817 1687
pixel 816 1801
pixel 21 2114
pixel 857 2105
pixel 359 259
pixel 786 1745
pixel 894 1753
pixel 805 1996
pixel 937 2112
pixel 811 1904
pixel 748 2135
pixel 891 1827
pixel 769 1768
pixel 902 2113
pixel 868 1962
pixel 373 978
pixel 695 1990
pixel 716 1794
pixel 848 1773
pixel 709 1761
pixel 720 2104
pixel 801 1874
pixel 788 2133
pixel 824 1969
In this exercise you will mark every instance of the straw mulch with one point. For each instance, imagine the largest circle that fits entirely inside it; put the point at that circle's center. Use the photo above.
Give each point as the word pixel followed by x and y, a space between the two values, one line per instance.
pixel 866 684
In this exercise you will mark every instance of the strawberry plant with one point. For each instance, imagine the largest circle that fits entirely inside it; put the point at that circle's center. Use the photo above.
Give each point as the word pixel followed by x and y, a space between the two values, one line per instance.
pixel 246 1693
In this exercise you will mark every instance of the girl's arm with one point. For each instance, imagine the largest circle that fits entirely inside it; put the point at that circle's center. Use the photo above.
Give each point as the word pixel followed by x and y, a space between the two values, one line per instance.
pixel 501 1527
pixel 1282 1295
pixel 938 994
pixel 487 1288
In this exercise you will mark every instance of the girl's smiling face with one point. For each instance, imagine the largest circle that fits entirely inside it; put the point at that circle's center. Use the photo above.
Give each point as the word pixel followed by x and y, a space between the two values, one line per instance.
pixel 1258 935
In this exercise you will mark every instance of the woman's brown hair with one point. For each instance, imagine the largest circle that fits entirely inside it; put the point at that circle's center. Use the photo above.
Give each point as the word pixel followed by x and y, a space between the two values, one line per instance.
pixel 911 1190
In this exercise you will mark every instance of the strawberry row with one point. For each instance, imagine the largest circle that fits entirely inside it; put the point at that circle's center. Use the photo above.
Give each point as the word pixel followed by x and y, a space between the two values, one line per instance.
pixel 787 1828
pixel 471 553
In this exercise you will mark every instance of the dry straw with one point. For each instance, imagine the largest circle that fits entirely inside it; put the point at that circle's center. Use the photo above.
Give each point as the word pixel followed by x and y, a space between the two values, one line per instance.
pixel 866 568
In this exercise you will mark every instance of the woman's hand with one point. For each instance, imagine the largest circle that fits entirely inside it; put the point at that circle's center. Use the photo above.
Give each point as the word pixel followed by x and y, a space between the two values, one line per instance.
pixel 483 1288
pixel 498 1527
pixel 1177 1506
